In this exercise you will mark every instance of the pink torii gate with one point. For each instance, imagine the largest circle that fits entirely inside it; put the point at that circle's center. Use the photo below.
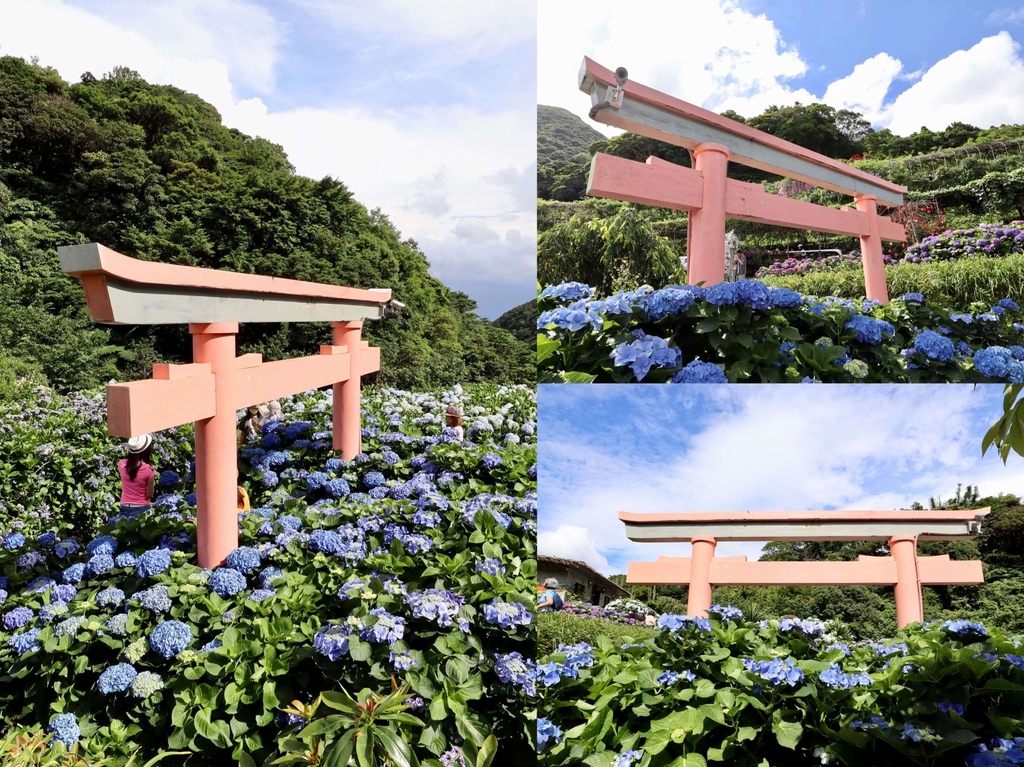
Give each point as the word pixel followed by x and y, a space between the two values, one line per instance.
pixel 710 197
pixel 210 390
pixel 904 569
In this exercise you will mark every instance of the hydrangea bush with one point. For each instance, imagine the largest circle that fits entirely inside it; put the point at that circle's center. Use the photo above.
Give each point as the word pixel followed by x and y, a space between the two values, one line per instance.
pixel 816 264
pixel 782 692
pixel 427 582
pixel 747 331
pixel 982 241
pixel 58 465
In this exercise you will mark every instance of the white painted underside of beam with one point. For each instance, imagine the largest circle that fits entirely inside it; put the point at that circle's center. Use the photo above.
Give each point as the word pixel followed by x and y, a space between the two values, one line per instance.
pixel 927 530
pixel 138 304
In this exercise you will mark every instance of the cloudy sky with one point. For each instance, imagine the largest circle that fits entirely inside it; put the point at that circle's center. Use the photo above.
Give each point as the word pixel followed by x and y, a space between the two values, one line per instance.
pixel 424 110
pixel 605 449
pixel 901 64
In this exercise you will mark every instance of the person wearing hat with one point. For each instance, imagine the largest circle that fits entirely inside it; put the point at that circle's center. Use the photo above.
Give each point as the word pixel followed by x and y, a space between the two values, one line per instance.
pixel 251 423
pixel 549 600
pixel 453 419
pixel 138 478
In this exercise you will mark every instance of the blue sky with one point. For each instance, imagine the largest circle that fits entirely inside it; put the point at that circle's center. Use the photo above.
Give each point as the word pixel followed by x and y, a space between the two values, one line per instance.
pixel 426 111
pixel 902 64
pixel 605 449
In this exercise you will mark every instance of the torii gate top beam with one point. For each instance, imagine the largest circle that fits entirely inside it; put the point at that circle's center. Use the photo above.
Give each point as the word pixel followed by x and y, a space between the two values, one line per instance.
pixel 126 291
pixel 926 525
pixel 648 112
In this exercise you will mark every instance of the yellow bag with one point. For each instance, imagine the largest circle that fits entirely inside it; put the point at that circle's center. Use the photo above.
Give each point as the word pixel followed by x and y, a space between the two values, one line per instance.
pixel 243 499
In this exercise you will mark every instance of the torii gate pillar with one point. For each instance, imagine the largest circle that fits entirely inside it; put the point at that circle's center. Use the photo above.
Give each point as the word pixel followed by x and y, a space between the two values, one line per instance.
pixel 909 603
pixel 707 254
pixel 698 595
pixel 871 250
pixel 348 434
pixel 216 450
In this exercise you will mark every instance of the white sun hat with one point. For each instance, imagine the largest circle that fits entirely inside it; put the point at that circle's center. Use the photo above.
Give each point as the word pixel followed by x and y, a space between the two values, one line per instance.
pixel 140 443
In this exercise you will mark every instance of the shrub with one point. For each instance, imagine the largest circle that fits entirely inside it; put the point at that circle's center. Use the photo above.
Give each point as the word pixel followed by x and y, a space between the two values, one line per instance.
pixel 749 331
pixel 330 593
pixel 780 692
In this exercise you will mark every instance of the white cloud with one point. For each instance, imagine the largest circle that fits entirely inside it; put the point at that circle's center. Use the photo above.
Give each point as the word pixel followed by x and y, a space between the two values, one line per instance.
pixel 461 29
pixel 865 88
pixel 980 86
pixel 726 58
pixel 1003 17
pixel 572 542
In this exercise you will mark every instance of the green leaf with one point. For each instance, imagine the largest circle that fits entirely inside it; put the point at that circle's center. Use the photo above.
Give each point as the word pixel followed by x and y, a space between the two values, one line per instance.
pixel 488 750
pixel 395 747
pixel 787 733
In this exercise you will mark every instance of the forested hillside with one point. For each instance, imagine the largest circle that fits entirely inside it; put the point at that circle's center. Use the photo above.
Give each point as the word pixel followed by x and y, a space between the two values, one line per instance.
pixel 520 321
pixel 151 172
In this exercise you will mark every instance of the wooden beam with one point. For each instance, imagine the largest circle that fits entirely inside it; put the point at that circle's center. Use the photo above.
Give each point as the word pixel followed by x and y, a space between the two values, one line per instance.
pixel 143 407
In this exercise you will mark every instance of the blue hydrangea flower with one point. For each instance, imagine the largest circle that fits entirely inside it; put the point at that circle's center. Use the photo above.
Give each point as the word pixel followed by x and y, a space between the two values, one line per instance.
pixel 492 460
pixel 118 624
pixel 227 581
pixel 387 629
pixel 48 613
pixel 332 641
pixel 337 488
pixel 373 479
pixel 776 670
pixel 316 481
pixel 13 541
pixel 269 575
pixel 170 637
pixel 1007 303
pixel 65 730
pixel 518 671
pixel 435 605
pixel 153 562
pixel 916 298
pixel 726 612
pixel 507 615
pixel 260 594
pixel 547 732
pixel 18 617
pixel 965 628
pixel 104 544
pixel 671 300
pixel 998 362
pixel 490 566
pixel 868 330
pixel 568 291
pixel 627 758
pixel 933 345
pixel 784 298
pixel 699 373
pixel 125 559
pixel 100 564
pixel 75 573
pixel 681 622
pixel 27 641
pixel 117 678
pixel 154 599
pixel 47 539
pixel 169 478
pixel 63 592
pixel 110 597
pixel 244 558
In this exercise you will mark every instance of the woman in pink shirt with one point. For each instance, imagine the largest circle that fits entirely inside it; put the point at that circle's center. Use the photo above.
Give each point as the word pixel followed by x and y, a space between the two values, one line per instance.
pixel 137 477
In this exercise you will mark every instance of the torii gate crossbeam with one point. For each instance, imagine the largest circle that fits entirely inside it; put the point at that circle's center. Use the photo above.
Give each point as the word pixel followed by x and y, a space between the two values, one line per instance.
pixel 903 569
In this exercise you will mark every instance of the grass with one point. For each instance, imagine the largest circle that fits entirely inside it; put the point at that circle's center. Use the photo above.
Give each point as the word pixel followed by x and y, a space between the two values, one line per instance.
pixel 954 284
pixel 560 628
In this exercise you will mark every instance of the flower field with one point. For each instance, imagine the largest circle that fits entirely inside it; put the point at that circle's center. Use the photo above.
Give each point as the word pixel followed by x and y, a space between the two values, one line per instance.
pixel 728 690
pixel 748 331
pixel 398 585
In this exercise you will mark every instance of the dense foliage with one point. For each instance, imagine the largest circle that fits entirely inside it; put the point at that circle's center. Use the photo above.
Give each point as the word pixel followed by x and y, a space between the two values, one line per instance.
pixel 520 321
pixel 747 331
pixel 413 564
pixel 727 689
pixel 151 172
